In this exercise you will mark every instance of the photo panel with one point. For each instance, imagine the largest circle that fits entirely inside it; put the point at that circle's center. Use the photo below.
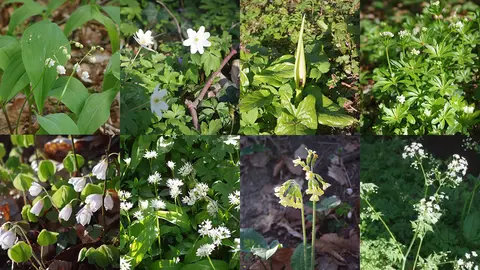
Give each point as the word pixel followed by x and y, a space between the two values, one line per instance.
pixel 59 67
pixel 298 192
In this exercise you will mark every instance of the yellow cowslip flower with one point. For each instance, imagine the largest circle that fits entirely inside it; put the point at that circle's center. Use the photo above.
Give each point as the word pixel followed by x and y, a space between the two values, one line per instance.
pixel 290 194
pixel 314 187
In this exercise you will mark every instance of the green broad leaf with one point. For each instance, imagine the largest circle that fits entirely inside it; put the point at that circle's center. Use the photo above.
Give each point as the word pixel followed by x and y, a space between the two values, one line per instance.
pixel 328 203
pixel 256 99
pixel 205 265
pixel 58 124
pixel 303 120
pixel 106 255
pixel 20 252
pixel 139 247
pixel 46 169
pixel 250 239
pixel 111 30
pixel 23 182
pixel 26 215
pixel 166 265
pixel 282 70
pixel 111 77
pixel 268 78
pixel 28 9
pixel 9 47
pixel 298 260
pixel 471 228
pixel 23 140
pixel 63 196
pixel 212 128
pixel 71 92
pixel 14 78
pixel 96 111
pixel 90 189
pixel 46 238
pixel 113 12
pixel 300 70
pixel 40 41
pixel 53 5
pixel 179 219
pixel 69 162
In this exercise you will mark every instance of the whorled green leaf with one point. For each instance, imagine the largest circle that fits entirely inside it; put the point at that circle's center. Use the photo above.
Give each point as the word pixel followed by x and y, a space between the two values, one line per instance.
pixel 63 196
pixel 46 238
pixel 46 169
pixel 20 252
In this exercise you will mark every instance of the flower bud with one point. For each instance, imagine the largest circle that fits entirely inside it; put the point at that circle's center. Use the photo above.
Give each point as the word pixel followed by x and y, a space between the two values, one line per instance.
pixel 78 183
pixel 100 170
pixel 35 189
pixel 300 69
pixel 37 208
pixel 66 212
pixel 7 239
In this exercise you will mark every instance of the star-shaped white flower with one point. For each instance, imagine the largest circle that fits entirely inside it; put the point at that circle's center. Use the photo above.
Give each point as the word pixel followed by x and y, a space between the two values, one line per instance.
pixel 197 40
pixel 156 103
pixel 144 39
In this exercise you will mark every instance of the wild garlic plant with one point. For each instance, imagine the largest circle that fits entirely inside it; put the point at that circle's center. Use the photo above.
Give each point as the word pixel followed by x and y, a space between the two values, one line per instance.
pixel 290 195
pixel 438 178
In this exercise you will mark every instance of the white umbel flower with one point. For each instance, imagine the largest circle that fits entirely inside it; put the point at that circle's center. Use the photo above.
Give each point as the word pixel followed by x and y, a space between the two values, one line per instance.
pixel 144 39
pixel 186 169
pixel 126 206
pixel 174 186
pixel 127 161
pixel 7 239
pixel 387 34
pixel 401 99
pixel 205 250
pixel 158 204
pixel 35 189
pixel 125 263
pixel 171 165
pixel 154 178
pixel 124 195
pixel 197 40
pixel 49 62
pixel 234 199
pixel 157 105
pixel 78 183
pixel 61 70
pixel 100 170
pixel 65 213
pixel 37 208
pixel 84 215
pixel 150 154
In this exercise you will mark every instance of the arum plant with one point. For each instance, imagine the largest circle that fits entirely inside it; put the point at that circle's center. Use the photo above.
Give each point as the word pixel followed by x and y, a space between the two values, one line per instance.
pixel 300 70
pixel 290 195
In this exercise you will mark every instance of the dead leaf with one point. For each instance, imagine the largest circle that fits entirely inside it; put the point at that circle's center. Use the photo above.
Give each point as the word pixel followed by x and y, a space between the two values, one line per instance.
pixel 333 244
pixel 260 159
pixel 278 167
pixel 327 263
pixel 337 173
pixel 280 260
pixel 351 147
pixel 301 152
pixel 297 170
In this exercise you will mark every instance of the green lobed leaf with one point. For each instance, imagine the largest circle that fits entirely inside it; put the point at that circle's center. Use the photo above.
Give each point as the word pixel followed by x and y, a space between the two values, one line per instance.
pixel 69 162
pixel 63 196
pixel 303 120
pixel 90 189
pixel 256 99
pixel 23 181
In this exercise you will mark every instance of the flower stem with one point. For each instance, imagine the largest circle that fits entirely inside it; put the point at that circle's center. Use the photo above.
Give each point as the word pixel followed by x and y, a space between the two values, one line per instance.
pixel 304 230
pixel 388 60
pixel 158 222
pixel 408 251
pixel 418 252
pixel 313 236
pixel 211 262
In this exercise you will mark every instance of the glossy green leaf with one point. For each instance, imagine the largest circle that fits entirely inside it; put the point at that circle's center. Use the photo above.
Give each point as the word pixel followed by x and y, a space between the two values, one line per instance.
pixel 40 41
pixel 205 265
pixel 142 243
pixel 297 259
pixel 58 124
pixel 114 13
pixel 74 93
pixel 9 47
pixel 177 218
pixel 111 78
pixel 54 4
pixel 303 120
pixel 14 78
pixel 46 238
pixel 90 189
pixel 23 181
pixel 27 10
pixel 96 111
pixel 63 196
pixel 256 99
pixel 20 252
pixel 46 169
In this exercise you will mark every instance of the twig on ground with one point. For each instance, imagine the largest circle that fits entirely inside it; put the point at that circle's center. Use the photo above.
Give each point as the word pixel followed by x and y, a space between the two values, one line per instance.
pixel 175 19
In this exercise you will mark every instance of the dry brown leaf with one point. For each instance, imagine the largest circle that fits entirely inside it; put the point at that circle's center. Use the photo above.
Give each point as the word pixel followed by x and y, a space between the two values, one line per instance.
pixel 297 170
pixel 327 263
pixel 259 159
pixel 333 244
pixel 280 260
pixel 337 173
pixel 60 265
pixel 278 167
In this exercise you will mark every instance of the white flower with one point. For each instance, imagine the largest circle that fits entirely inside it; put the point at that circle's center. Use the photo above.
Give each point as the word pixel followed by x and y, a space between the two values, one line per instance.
pixel 78 183
pixel 93 59
pixel 84 215
pixel 186 169
pixel 468 109
pixel 124 195
pixel 66 212
pixel 154 178
pixel 212 208
pixel 100 170
pixel 232 140
pixel 7 239
pixel 474 254
pixel 349 191
pixel 458 25
pixel 76 67
pixel 144 39
pixel 403 33
pixel 198 192
pixel 436 3
pixel 171 164
pixel 401 99
pixel 387 34
pixel 108 202
pixel 49 62
pixel 143 204
pixel 150 154
pixel 126 206
pixel 158 204
pixel 415 51
pixel 94 201
pixel 138 215
pixel 197 40
pixel 157 105
pixel 37 208
pixel 127 161
pixel 234 199
pixel 125 263
pixel 174 186
pixel 85 76
pixel 35 189
pixel 205 250
pixel 61 70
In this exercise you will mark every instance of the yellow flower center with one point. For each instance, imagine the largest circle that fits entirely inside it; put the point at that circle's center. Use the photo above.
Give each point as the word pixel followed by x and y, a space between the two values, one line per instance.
pixel 156 100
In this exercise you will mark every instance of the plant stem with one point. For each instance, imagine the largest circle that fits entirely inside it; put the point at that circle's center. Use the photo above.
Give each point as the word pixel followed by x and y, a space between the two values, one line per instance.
pixel 408 251
pixel 304 230
pixel 21 111
pixel 74 153
pixel 6 118
pixel 211 262
pixel 313 236
pixel 175 19
pixel 388 60
pixel 158 223
pixel 418 252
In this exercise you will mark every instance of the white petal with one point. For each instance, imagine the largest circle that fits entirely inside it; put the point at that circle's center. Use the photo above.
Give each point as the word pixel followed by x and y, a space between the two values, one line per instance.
pixel 193 49
pixel 206 43
pixel 201 30
pixel 200 48
pixel 206 35
pixel 191 34
pixel 188 42
pixel 162 93
pixel 162 106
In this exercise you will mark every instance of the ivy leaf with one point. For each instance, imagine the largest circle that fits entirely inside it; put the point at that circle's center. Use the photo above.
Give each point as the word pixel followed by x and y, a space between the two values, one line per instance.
pixel 256 99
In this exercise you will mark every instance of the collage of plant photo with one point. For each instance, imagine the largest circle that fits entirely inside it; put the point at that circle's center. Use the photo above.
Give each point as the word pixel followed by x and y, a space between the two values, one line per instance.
pixel 240 134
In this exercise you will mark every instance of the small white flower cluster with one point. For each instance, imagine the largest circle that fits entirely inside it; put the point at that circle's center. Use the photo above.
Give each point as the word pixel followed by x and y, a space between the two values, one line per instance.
pixel 125 263
pixel 158 204
pixel 124 196
pixel 197 193
pixel 212 208
pixel 7 238
pixel 93 202
pixel 234 199
pixel 216 234
pixel 174 186
pixel 401 99
pixel 469 144
pixel 171 165
pixel 436 3
pixel 232 140
pixel 468 109
pixel 150 154
pixel 387 34
pixel 414 150
pixel 403 33
pixel 154 178
pixel 457 168
pixel 468 262
pixel 127 161
pixel 186 169
pixel 415 51
pixel 458 25
pixel 429 211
